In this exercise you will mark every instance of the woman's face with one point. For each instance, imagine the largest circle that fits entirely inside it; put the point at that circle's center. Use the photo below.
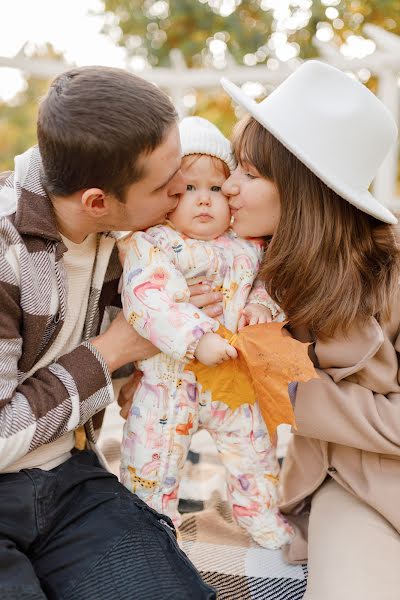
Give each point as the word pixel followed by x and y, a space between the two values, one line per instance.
pixel 254 202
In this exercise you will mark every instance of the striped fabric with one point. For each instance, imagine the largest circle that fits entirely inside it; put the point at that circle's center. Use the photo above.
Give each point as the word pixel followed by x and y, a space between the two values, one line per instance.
pixel 231 562
pixel 40 408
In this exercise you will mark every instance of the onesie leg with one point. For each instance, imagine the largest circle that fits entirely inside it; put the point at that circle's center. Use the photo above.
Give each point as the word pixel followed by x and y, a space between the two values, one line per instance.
pixel 252 470
pixel 156 441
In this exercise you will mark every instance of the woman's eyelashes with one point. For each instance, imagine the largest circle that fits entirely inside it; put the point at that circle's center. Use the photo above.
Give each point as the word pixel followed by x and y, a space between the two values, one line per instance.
pixel 245 170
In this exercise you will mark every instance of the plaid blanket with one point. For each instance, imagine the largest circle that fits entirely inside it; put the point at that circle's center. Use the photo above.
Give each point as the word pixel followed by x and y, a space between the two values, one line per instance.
pixel 225 555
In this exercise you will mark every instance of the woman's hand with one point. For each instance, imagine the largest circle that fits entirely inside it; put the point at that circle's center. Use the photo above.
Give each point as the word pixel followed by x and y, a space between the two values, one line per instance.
pixel 202 297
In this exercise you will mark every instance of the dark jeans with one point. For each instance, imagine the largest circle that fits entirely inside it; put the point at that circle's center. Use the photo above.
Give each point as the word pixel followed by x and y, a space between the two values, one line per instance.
pixel 75 533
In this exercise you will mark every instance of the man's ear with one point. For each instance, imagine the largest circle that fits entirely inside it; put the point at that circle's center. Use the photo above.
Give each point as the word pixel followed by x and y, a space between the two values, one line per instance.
pixel 94 202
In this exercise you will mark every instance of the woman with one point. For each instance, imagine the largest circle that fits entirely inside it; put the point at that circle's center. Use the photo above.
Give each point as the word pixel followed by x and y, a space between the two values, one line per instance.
pixel 307 155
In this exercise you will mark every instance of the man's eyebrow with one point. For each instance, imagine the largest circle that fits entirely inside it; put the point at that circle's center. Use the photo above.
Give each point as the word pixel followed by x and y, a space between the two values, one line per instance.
pixel 168 180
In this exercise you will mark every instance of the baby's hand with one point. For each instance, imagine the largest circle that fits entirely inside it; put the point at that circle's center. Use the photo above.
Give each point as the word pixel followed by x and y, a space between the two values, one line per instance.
pixel 254 314
pixel 212 350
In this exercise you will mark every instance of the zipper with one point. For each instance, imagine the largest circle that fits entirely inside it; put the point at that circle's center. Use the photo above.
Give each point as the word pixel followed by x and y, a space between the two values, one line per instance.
pixel 163 522
pixel 205 586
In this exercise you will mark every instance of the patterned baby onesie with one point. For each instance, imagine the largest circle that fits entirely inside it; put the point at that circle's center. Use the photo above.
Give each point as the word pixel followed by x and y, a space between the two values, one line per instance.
pixel 169 406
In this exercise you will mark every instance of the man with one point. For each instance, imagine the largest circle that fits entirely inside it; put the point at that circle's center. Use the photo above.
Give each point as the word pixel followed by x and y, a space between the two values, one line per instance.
pixel 108 159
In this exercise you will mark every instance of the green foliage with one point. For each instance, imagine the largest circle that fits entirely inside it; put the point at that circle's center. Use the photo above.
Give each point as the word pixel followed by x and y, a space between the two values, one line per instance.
pixel 18 118
pixel 18 122
pixel 187 25
pixel 151 28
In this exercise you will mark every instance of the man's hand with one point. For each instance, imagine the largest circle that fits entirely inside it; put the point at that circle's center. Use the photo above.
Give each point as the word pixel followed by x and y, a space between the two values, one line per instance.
pixel 212 350
pixel 202 297
pixel 253 314
pixel 126 392
pixel 121 344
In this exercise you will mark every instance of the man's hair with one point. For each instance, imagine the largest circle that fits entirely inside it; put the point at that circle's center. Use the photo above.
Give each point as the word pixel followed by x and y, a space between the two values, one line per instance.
pixel 329 264
pixel 93 126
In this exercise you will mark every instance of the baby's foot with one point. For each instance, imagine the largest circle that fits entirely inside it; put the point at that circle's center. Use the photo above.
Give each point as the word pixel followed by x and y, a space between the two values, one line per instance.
pixel 269 529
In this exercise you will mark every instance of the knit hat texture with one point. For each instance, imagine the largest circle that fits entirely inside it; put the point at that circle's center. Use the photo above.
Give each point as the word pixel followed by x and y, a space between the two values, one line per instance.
pixel 199 136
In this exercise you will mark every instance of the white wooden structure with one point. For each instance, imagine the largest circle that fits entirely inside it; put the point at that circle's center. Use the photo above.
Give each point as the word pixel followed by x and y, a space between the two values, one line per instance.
pixel 383 63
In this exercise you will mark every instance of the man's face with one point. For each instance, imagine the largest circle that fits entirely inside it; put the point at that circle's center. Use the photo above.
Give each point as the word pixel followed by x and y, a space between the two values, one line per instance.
pixel 149 200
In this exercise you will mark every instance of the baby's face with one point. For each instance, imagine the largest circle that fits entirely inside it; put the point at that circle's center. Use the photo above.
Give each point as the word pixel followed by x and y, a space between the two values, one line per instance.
pixel 203 211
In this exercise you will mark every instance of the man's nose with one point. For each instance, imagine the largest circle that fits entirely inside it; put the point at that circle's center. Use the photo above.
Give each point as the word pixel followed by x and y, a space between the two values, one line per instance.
pixel 178 185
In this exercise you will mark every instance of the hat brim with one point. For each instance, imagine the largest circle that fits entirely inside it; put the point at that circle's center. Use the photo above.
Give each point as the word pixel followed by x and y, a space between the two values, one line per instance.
pixel 360 198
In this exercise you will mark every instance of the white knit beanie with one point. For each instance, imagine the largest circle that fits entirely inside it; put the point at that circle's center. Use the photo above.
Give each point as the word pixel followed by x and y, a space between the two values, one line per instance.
pixel 199 136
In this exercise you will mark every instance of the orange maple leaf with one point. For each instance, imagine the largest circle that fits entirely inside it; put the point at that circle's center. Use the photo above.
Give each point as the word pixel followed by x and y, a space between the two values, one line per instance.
pixel 267 362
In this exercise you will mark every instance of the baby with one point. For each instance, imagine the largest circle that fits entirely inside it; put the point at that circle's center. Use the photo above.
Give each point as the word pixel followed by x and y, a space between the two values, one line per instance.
pixel 169 406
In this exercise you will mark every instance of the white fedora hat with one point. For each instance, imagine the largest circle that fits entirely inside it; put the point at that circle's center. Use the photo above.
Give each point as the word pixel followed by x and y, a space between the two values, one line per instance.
pixel 331 123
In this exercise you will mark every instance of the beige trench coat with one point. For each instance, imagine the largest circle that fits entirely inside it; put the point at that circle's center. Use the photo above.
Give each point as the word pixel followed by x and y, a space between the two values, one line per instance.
pixel 348 424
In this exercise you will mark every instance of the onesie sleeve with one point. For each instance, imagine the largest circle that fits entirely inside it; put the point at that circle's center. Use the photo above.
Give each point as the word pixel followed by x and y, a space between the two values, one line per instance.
pixel 155 297
pixel 259 295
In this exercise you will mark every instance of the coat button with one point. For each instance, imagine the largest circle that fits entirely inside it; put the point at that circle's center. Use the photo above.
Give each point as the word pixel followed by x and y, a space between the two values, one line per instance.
pixel 332 470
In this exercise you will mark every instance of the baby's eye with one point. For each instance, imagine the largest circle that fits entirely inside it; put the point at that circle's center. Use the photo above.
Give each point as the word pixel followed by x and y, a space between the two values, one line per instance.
pixel 190 187
pixel 250 176
pixel 216 188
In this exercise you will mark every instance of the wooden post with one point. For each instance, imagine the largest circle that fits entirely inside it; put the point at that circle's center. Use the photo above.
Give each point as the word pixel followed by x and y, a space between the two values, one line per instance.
pixel 385 184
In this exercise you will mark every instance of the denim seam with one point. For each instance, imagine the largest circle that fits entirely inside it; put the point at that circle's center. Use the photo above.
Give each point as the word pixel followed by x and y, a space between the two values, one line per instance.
pixel 37 519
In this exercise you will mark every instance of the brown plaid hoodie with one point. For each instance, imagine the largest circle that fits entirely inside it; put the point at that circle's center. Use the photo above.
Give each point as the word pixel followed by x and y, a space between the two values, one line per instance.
pixel 64 395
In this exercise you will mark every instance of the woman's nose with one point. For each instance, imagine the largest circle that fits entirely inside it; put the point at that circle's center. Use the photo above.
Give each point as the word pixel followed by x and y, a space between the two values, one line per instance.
pixel 230 186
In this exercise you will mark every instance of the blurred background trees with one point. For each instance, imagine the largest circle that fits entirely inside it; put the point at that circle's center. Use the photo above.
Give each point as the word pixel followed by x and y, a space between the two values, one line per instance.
pixel 150 28
pixel 212 33
pixel 18 115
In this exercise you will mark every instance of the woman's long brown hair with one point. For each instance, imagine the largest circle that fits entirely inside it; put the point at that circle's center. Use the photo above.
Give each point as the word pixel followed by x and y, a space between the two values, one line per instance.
pixel 328 263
